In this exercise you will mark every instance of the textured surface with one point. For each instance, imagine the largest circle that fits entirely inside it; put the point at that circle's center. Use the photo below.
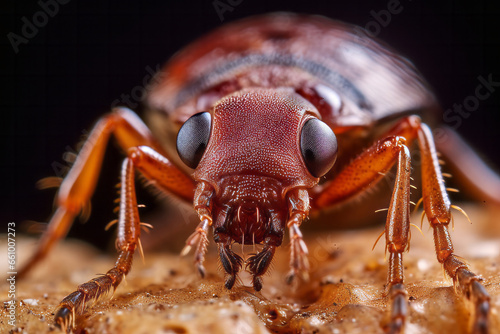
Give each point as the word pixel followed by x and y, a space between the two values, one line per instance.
pixel 345 292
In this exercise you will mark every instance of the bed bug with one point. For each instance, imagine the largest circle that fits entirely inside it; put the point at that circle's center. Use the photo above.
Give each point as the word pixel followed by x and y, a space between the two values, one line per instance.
pixel 260 111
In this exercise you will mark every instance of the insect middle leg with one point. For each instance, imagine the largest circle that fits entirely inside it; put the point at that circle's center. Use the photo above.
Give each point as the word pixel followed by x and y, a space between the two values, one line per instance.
pixel 362 173
pixel 78 186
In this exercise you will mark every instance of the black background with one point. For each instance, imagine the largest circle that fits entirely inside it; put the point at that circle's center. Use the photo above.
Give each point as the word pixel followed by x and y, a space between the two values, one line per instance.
pixel 91 52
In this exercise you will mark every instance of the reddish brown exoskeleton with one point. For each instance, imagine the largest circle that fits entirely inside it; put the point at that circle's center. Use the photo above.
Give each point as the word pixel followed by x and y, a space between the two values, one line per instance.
pixel 267 106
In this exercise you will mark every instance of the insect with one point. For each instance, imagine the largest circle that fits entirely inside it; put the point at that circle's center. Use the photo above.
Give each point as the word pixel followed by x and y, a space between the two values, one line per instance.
pixel 261 111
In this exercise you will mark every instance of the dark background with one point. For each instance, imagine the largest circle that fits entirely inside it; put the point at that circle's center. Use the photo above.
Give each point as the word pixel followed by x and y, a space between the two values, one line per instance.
pixel 91 52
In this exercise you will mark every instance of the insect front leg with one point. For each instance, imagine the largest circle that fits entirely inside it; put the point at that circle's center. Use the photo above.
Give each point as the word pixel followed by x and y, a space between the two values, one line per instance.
pixel 155 168
pixel 362 173
pixel 396 235
pixel 78 186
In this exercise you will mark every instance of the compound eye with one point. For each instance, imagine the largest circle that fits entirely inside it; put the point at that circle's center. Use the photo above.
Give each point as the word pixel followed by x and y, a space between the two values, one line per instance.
pixel 193 137
pixel 318 146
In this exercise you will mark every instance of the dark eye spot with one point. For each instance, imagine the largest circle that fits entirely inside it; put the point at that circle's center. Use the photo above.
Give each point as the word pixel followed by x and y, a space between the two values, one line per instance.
pixel 318 146
pixel 192 139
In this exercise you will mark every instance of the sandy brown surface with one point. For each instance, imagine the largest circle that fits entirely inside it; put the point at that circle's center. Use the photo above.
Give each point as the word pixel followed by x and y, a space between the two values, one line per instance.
pixel 345 293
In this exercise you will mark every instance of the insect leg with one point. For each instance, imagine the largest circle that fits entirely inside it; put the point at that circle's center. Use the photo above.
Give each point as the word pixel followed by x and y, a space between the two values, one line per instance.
pixel 78 186
pixel 437 208
pixel 127 240
pixel 362 173
pixel 159 170
pixel 396 233
pixel 438 211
